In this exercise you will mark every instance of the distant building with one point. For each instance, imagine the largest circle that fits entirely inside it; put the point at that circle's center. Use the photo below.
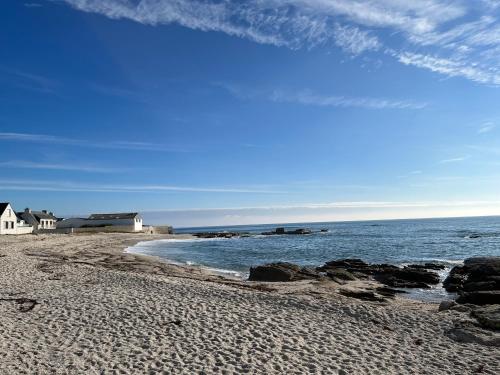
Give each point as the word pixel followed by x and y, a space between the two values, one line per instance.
pixel 10 223
pixel 40 220
pixel 118 222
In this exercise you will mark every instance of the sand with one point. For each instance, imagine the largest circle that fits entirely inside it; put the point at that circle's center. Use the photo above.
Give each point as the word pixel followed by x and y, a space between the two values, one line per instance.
pixel 89 309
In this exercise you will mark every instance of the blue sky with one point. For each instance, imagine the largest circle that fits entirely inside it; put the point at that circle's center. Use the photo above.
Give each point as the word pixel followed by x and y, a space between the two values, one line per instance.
pixel 228 112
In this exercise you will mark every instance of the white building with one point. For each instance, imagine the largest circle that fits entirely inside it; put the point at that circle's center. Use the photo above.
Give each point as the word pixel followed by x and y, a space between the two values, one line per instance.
pixel 40 220
pixel 123 222
pixel 10 223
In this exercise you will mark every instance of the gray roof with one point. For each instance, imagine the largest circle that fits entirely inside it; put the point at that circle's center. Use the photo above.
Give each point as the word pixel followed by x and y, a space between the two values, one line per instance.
pixel 3 206
pixel 42 215
pixel 35 216
pixel 123 215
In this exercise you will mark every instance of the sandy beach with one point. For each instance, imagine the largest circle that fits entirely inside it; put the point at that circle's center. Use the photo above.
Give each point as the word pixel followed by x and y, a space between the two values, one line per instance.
pixel 76 304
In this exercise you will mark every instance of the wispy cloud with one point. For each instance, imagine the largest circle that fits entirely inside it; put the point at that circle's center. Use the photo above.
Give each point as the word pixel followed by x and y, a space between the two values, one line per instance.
pixel 32 5
pixel 308 97
pixel 454 160
pixel 451 68
pixel 119 145
pixel 347 204
pixel 68 186
pixel 117 92
pixel 486 127
pixel 21 164
pixel 29 81
pixel 410 174
pixel 453 38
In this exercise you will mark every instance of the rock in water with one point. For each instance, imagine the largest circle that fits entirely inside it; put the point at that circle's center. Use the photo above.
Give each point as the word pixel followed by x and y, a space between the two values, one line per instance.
pixel 476 282
pixel 483 297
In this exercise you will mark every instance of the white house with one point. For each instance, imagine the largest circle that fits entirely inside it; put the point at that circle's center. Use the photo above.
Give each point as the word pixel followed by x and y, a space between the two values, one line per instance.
pixel 124 222
pixel 10 223
pixel 40 220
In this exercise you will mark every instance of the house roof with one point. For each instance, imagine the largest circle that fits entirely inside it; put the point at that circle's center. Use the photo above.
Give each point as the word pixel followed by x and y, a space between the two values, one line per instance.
pixel 35 216
pixel 3 207
pixel 123 215
pixel 43 215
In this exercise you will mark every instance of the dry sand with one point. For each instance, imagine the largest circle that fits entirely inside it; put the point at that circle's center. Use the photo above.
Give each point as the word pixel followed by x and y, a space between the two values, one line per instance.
pixel 74 304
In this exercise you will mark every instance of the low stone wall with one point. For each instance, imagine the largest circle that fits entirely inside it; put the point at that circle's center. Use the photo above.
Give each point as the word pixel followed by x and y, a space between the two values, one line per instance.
pixel 24 230
pixel 159 229
pixel 109 229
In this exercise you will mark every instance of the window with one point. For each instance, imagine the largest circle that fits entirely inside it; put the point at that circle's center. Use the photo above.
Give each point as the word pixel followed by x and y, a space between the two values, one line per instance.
pixel 11 225
pixel 9 212
pixel 6 225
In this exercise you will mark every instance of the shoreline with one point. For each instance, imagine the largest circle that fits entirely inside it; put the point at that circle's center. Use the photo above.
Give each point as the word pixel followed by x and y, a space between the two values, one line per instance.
pixel 95 309
pixel 416 294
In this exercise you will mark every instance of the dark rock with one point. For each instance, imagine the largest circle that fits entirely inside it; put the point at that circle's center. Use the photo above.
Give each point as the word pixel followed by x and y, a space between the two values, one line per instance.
pixel 283 231
pixel 446 305
pixel 482 297
pixel 361 294
pixel 340 274
pixel 477 281
pixel 480 285
pixel 428 266
pixel 406 277
pixel 388 292
pixel 467 332
pixel 488 316
pixel 455 280
pixel 275 272
pixel 390 275
pixel 219 234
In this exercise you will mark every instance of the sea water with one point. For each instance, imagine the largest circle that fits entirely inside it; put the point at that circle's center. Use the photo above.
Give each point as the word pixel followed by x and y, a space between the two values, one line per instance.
pixel 398 242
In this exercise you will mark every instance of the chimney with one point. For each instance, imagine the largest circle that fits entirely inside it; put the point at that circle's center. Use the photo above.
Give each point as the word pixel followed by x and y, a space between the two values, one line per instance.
pixel 44 211
pixel 27 210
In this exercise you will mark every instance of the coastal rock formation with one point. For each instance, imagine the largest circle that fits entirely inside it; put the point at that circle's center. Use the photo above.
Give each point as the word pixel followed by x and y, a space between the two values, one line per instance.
pixel 413 276
pixel 477 281
pixel 488 316
pixel 470 332
pixel 275 272
pixel 281 230
pixel 349 270
pixel 219 234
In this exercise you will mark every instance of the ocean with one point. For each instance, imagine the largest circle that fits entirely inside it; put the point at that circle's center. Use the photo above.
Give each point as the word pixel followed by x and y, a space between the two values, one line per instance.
pixel 447 241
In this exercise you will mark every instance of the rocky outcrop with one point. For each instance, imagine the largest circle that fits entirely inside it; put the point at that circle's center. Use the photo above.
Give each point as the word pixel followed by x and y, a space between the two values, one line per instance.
pixel 488 316
pixel 476 282
pixel 414 276
pixel 276 272
pixel 483 297
pixel 348 270
pixel 278 231
pixel 470 332
pixel 219 234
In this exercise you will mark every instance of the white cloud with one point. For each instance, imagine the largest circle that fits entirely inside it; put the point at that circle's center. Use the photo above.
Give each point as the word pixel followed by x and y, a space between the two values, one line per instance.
pixel 455 160
pixel 68 186
pixel 118 145
pixel 452 68
pixel 486 127
pixel 21 164
pixel 454 38
pixel 307 97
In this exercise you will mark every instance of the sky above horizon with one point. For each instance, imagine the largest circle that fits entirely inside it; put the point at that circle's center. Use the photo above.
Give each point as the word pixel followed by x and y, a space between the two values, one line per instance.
pixel 202 113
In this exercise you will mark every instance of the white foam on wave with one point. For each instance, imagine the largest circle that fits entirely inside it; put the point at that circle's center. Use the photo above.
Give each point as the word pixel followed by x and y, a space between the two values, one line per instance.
pixel 141 247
